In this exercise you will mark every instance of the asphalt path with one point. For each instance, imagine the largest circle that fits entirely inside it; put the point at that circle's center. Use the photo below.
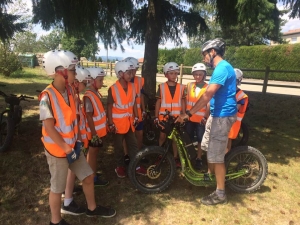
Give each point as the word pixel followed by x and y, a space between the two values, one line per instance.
pixel 251 85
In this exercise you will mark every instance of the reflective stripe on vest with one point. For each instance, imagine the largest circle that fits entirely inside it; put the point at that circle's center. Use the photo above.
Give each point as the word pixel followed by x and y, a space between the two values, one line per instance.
pixel 167 102
pixel 138 83
pixel 122 110
pixel 99 115
pixel 233 133
pixel 192 99
pixel 65 121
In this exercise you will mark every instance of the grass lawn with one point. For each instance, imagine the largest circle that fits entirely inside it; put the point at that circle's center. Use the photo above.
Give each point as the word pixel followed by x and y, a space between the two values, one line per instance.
pixel 274 122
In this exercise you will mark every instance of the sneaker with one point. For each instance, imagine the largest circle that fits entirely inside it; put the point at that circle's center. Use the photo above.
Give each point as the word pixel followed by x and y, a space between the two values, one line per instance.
pixel 214 199
pixel 178 163
pixel 198 164
pixel 120 171
pixel 62 222
pixel 72 209
pixel 126 159
pixel 101 211
pixel 141 171
pixel 100 183
pixel 76 190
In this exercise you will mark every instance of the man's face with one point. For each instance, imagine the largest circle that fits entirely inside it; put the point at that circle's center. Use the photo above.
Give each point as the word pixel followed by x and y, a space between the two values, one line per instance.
pixel 199 75
pixel 172 75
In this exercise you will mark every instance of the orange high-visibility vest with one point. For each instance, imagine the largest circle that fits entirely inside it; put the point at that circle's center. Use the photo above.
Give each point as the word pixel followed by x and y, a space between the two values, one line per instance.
pixel 138 84
pixel 65 121
pixel 99 115
pixel 192 98
pixel 167 102
pixel 240 115
pixel 83 127
pixel 122 110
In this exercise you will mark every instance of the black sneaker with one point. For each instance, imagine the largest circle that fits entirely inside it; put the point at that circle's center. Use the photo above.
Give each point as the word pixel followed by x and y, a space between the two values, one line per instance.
pixel 100 183
pixel 76 190
pixel 198 164
pixel 214 199
pixel 72 209
pixel 101 211
pixel 126 159
pixel 62 222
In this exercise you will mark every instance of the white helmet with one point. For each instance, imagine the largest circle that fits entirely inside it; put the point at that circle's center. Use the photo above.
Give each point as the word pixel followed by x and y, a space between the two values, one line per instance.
pixel 123 66
pixel 134 61
pixel 96 72
pixel 238 75
pixel 55 58
pixel 82 74
pixel 170 66
pixel 198 66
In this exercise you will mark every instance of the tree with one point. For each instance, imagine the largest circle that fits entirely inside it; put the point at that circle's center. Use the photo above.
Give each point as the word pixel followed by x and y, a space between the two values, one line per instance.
pixel 157 21
pixel 8 22
pixel 24 42
pixel 9 61
pixel 50 41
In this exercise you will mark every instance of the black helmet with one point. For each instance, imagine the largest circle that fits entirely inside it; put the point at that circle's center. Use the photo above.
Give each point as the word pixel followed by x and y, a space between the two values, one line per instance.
pixel 218 44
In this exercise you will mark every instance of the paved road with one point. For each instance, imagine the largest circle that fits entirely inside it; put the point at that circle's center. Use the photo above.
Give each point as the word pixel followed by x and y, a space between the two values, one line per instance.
pixel 253 86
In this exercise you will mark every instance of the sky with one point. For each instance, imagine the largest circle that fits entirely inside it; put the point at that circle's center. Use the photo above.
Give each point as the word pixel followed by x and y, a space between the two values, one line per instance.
pixel 137 51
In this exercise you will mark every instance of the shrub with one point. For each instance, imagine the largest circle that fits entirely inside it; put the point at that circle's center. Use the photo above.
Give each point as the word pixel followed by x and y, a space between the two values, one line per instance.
pixel 9 61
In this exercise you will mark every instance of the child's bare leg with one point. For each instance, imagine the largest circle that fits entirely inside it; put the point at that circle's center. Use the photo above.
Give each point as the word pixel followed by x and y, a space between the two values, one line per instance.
pixel 54 202
pixel 88 189
pixel 70 184
pixel 92 158
pixel 199 152
pixel 162 138
pixel 139 138
pixel 125 147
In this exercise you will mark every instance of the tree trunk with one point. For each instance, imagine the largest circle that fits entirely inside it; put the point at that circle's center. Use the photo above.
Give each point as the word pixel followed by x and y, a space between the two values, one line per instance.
pixel 152 37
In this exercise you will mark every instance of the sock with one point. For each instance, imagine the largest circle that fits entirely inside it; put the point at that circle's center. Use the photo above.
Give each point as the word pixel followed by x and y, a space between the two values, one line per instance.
pixel 67 201
pixel 220 193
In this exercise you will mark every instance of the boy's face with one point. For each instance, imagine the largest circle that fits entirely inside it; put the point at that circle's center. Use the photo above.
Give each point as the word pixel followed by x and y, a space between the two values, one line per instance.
pixel 199 75
pixel 127 76
pixel 172 75
pixel 71 74
pixel 133 72
pixel 81 85
pixel 99 82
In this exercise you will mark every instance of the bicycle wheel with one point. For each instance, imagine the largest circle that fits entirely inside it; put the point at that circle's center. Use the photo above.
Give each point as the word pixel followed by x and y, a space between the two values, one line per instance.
pixel 160 173
pixel 7 127
pixel 243 136
pixel 251 159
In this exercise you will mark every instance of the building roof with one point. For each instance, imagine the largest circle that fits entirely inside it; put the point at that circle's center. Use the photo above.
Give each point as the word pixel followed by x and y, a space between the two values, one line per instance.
pixel 295 31
pixel 141 60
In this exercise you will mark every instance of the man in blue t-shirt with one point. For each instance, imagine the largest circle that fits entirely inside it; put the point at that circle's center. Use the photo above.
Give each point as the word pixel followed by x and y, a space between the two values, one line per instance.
pixel 221 94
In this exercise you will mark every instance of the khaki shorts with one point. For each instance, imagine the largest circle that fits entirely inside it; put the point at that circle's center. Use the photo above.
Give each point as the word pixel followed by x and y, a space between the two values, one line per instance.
pixel 215 138
pixel 58 168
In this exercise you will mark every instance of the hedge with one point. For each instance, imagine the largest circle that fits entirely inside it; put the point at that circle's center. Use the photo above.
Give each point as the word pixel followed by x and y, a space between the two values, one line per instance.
pixel 278 57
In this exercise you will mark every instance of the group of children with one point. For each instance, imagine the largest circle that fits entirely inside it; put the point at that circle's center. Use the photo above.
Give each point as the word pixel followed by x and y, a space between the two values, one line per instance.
pixel 176 98
pixel 72 125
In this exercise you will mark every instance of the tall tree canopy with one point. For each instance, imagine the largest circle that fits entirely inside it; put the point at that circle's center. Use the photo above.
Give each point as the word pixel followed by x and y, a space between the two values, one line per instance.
pixel 9 23
pixel 146 21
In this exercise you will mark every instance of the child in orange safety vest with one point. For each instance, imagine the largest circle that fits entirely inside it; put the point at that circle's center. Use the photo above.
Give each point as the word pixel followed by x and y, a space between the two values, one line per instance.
pixel 123 116
pixel 60 137
pixel 170 96
pixel 242 103
pixel 196 124
pixel 95 120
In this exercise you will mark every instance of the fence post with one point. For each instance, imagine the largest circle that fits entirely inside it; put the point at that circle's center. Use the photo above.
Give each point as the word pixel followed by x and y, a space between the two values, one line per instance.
pixel 181 70
pixel 265 85
pixel 95 63
pixel 110 68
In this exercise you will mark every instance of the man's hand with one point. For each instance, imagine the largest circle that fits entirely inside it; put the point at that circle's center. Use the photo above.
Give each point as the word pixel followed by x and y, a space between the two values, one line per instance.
pixel 135 121
pixel 182 118
pixel 203 121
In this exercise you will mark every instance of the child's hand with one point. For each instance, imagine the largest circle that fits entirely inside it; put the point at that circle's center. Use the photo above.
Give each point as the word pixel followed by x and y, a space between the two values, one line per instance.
pixel 96 141
pixel 136 121
pixel 112 128
pixel 73 156
pixel 144 115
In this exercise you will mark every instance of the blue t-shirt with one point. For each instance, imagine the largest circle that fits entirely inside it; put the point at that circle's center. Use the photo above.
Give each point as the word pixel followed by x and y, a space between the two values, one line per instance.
pixel 223 103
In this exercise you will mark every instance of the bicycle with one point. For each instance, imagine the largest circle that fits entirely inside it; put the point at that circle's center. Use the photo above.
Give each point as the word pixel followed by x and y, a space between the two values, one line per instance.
pixel 10 118
pixel 246 167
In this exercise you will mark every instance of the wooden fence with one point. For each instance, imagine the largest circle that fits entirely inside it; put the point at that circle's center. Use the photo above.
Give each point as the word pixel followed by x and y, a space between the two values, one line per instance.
pixel 109 67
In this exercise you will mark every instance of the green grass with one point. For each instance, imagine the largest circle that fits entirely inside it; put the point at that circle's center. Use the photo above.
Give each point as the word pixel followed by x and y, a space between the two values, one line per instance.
pixel 274 129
